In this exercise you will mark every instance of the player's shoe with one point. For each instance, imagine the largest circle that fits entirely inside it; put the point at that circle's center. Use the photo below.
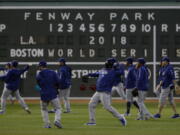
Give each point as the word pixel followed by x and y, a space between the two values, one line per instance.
pixel 127 114
pixel 123 121
pixel 52 111
pixel 157 116
pixel 90 124
pixel 175 116
pixel 139 118
pixel 47 126
pixel 28 111
pixel 58 124
pixel 149 116
pixel 67 111
pixel 1 112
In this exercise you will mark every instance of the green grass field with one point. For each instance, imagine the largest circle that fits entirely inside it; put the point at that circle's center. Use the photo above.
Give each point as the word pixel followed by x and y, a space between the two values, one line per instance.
pixel 17 122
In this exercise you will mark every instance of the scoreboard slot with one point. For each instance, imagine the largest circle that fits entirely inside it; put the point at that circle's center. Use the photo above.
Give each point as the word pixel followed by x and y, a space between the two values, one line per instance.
pixel 177 40
pixel 4 40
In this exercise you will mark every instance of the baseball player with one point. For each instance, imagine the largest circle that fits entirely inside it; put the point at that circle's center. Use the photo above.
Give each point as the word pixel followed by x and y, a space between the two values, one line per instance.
pixel 64 73
pixel 104 86
pixel 166 87
pixel 130 84
pixel 118 84
pixel 48 82
pixel 6 69
pixel 12 80
pixel 142 86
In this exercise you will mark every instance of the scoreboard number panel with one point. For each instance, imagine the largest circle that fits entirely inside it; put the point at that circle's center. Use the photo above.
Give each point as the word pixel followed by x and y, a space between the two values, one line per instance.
pixel 80 33
pixel 90 34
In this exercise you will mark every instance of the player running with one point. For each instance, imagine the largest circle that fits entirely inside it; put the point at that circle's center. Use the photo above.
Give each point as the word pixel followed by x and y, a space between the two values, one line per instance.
pixel 48 82
pixel 130 84
pixel 64 73
pixel 142 86
pixel 104 86
pixel 118 83
pixel 12 80
pixel 166 87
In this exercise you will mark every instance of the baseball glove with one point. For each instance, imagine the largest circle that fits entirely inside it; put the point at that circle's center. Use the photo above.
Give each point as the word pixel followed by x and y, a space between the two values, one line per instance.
pixel 85 79
pixel 135 92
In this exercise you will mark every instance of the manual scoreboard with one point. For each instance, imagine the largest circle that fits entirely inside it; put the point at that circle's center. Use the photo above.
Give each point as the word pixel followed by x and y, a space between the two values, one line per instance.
pixel 86 36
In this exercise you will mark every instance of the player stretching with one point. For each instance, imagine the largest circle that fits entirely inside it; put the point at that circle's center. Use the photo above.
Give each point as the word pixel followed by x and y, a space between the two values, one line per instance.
pixel 130 84
pixel 118 84
pixel 142 86
pixel 64 74
pixel 12 80
pixel 166 85
pixel 104 86
pixel 6 69
pixel 48 82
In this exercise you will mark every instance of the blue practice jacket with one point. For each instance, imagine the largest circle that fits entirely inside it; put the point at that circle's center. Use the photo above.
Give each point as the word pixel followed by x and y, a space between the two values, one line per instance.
pixel 142 81
pixel 48 82
pixel 64 74
pixel 13 78
pixel 106 79
pixel 130 80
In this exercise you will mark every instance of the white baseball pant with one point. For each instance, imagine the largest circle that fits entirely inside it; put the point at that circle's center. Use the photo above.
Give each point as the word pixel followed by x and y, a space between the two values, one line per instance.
pixel 120 90
pixel 64 95
pixel 142 107
pixel 44 110
pixel 166 93
pixel 6 94
pixel 105 98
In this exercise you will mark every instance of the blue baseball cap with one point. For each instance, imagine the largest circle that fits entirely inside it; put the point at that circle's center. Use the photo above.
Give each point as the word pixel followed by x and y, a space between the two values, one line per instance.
pixel 141 60
pixel 165 59
pixel 111 60
pixel 42 64
pixel 130 60
pixel 8 64
pixel 62 60
pixel 14 63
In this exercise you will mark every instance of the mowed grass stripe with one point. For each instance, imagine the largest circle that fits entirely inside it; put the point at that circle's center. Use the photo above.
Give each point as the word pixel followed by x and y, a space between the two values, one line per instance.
pixel 17 122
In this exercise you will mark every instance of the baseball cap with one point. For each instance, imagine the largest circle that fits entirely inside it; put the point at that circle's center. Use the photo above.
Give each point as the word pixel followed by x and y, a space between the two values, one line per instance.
pixel 141 60
pixel 130 60
pixel 14 63
pixel 165 59
pixel 62 60
pixel 42 64
pixel 111 60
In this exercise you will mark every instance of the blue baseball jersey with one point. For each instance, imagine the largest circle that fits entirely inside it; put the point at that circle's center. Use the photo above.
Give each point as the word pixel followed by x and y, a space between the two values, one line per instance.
pixel 142 79
pixel 167 76
pixel 106 79
pixel 48 82
pixel 13 78
pixel 160 74
pixel 119 78
pixel 64 74
pixel 130 80
pixel 148 70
